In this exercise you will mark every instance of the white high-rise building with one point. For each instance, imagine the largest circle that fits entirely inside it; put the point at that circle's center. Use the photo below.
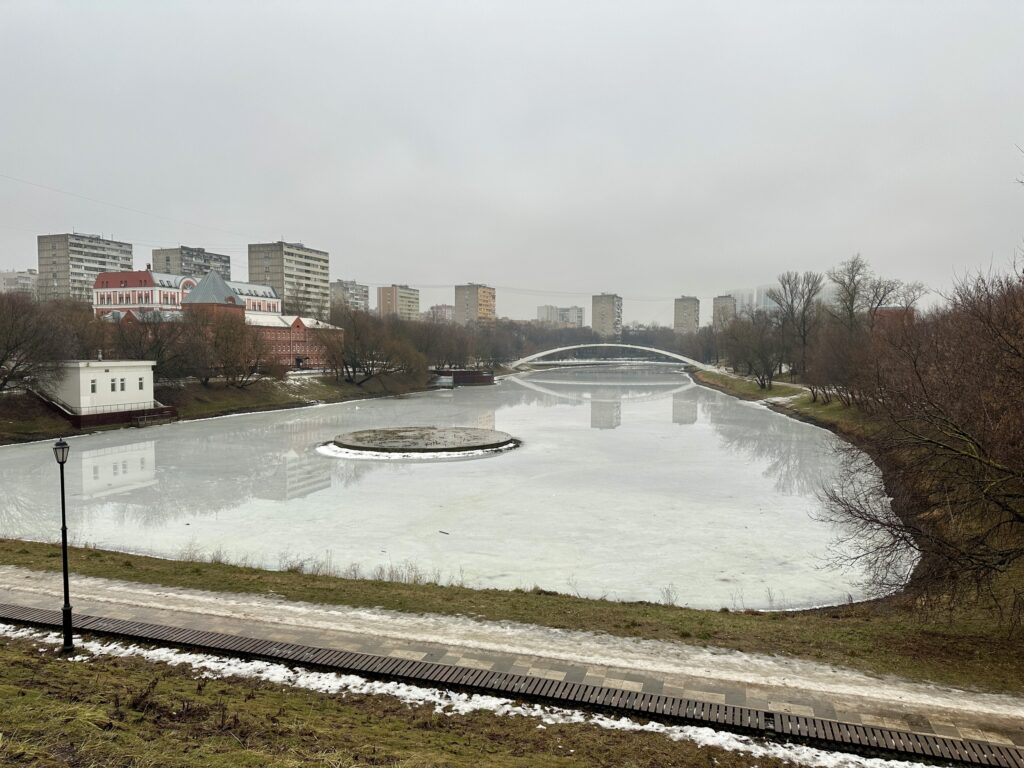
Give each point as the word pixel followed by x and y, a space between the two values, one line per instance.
pixel 191 262
pixel 19 281
pixel 687 314
pixel 562 317
pixel 298 274
pixel 69 264
pixel 606 315
pixel 349 293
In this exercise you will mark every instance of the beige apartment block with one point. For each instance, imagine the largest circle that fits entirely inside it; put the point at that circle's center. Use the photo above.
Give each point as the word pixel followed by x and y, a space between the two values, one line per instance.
pixel 687 314
pixel 191 262
pixel 69 264
pixel 398 300
pixel 606 314
pixel 723 310
pixel 474 303
pixel 298 274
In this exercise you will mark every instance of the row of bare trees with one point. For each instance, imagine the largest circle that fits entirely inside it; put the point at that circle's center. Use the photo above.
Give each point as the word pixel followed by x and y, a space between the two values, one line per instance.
pixel 945 389
pixel 35 337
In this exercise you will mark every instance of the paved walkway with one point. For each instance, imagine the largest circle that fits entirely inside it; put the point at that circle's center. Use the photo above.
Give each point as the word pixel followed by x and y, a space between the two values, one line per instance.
pixel 725 677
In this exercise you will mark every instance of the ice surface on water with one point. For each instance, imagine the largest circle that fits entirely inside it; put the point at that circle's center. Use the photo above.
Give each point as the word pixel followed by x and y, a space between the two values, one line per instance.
pixel 632 483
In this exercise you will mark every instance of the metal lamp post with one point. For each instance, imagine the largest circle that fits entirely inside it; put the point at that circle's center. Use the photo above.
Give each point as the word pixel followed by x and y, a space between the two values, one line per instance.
pixel 60 453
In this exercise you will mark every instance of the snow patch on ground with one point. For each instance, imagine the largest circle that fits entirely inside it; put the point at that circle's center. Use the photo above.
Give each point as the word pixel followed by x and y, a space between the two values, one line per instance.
pixel 667 659
pixel 445 702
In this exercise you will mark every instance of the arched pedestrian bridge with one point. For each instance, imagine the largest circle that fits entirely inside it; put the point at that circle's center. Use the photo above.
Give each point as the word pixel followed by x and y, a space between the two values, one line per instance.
pixel 537 356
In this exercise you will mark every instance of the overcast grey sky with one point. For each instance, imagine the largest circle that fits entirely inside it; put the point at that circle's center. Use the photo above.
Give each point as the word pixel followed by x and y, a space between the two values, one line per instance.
pixel 648 148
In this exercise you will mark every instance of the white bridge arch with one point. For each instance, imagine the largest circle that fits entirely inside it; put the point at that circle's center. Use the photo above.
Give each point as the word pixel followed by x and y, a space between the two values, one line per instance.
pixel 666 353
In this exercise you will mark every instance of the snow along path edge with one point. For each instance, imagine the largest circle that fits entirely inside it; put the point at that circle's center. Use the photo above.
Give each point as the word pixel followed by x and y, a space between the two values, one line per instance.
pixel 577 647
pixel 444 702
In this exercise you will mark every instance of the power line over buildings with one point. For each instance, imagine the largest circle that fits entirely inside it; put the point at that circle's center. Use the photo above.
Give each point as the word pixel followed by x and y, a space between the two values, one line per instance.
pixel 686 318
pixel 606 314
pixel 474 303
pixel 69 264
pixel 298 274
pixel 191 262
pixel 561 317
pixel 398 300
pixel 723 310
pixel 349 293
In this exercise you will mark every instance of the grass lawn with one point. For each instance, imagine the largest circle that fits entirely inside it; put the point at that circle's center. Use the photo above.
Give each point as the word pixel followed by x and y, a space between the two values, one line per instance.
pixel 968 649
pixel 24 417
pixel 745 389
pixel 116 712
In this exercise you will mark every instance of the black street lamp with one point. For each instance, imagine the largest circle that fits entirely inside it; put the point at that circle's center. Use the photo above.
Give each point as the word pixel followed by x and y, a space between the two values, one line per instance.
pixel 60 453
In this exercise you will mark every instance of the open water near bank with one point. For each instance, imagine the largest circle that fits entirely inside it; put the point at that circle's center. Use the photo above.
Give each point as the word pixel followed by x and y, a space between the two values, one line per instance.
pixel 632 483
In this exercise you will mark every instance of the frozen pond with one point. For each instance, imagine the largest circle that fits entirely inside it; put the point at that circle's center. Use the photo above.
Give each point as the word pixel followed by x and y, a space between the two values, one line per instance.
pixel 631 483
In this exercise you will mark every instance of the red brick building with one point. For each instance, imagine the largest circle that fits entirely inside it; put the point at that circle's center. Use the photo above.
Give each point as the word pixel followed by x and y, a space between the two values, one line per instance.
pixel 292 340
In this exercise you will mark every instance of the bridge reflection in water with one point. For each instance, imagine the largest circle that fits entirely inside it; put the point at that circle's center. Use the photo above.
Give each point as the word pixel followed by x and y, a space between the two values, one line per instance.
pixel 630 479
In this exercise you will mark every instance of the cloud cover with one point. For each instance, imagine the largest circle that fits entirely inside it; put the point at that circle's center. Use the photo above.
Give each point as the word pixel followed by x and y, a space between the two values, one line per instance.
pixel 552 149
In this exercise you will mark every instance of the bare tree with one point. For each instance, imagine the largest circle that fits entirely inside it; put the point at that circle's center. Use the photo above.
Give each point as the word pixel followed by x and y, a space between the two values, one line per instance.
pixel 946 390
pixel 29 350
pixel 797 300
pixel 752 341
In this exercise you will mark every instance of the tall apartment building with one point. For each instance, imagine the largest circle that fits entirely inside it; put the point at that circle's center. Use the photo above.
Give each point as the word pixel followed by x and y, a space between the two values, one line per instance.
pixel 69 264
pixel 687 315
pixel 349 293
pixel 561 317
pixel 474 303
pixel 398 300
pixel 191 262
pixel 606 315
pixel 440 313
pixel 298 274
pixel 723 310
pixel 19 281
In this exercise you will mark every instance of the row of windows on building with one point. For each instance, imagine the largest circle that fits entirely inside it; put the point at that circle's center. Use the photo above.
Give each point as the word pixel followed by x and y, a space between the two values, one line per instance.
pixel 114 384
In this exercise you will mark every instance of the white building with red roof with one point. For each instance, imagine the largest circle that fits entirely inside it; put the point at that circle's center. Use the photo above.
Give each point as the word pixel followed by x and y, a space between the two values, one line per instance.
pixel 145 292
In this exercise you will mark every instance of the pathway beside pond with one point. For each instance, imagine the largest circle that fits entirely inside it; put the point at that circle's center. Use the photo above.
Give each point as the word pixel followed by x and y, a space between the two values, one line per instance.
pixel 778 683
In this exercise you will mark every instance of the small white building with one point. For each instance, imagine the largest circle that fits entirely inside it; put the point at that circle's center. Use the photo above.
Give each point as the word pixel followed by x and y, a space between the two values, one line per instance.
pixel 92 387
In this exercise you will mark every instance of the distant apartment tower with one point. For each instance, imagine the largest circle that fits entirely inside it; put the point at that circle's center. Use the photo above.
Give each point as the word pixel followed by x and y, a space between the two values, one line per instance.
pixel 298 274
pixel 474 303
pixel 723 310
pixel 751 299
pixel 349 293
pixel 441 313
pixel 398 300
pixel 19 281
pixel 687 315
pixel 561 317
pixel 191 262
pixel 606 314
pixel 69 264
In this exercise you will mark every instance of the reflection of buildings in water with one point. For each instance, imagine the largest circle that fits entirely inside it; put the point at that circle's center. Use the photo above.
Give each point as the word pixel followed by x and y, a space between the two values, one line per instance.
pixel 295 475
pixel 108 471
pixel 605 414
pixel 684 409
pixel 482 420
pixel 605 389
